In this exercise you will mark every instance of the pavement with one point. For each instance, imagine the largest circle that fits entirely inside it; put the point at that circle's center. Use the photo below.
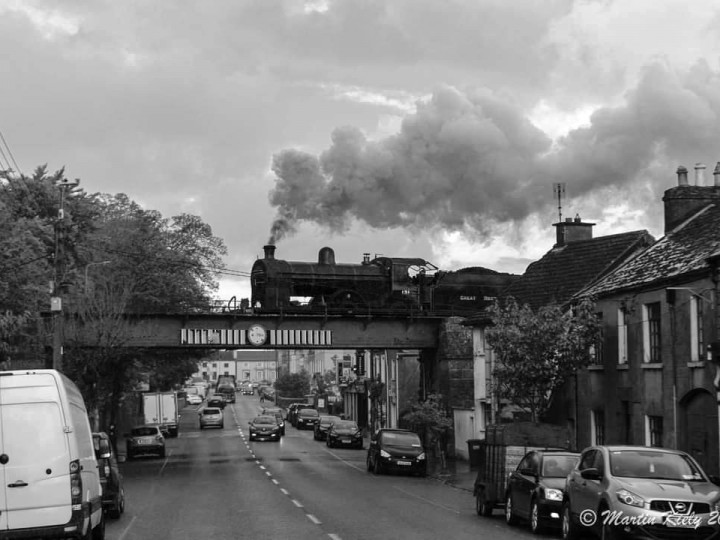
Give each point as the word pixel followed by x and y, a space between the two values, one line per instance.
pixel 456 473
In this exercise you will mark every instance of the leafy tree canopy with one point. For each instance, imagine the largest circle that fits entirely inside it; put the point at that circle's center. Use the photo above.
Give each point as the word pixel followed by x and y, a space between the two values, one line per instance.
pixel 296 385
pixel 536 352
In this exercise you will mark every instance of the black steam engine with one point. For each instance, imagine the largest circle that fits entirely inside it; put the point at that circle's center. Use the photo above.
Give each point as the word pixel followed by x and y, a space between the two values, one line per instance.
pixel 383 284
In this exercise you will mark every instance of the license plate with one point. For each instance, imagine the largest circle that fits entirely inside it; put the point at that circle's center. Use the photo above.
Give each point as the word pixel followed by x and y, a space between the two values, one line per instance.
pixel 145 441
pixel 345 440
pixel 404 463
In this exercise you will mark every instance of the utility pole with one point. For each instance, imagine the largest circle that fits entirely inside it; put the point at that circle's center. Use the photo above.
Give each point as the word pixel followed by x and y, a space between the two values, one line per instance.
pixel 58 274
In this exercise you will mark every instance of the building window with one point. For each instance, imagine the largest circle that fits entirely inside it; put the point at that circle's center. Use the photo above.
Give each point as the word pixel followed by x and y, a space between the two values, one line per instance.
pixel 653 430
pixel 225 365
pixel 597 427
pixel 651 333
pixel 204 364
pixel 697 337
pixel 622 336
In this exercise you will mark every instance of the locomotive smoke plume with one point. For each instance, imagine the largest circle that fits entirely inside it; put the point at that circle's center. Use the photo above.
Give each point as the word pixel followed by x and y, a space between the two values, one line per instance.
pixel 469 161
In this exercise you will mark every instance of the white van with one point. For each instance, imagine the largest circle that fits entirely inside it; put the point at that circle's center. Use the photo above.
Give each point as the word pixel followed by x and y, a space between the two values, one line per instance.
pixel 50 483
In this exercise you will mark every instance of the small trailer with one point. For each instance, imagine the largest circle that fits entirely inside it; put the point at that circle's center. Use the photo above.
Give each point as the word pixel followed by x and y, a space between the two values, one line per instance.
pixel 501 451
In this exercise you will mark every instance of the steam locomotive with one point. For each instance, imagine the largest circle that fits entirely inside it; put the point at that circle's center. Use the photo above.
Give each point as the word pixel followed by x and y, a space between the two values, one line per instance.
pixel 382 284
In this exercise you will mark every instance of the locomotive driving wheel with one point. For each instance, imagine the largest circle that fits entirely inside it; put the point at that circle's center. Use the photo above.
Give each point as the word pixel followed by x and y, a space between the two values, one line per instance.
pixel 347 299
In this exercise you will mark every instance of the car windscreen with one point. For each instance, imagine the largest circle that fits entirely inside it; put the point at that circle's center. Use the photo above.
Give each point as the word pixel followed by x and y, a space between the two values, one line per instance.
pixel 653 465
pixel 308 412
pixel 211 411
pixel 558 466
pixel 329 419
pixel 343 424
pixel 265 420
pixel 401 439
pixel 144 432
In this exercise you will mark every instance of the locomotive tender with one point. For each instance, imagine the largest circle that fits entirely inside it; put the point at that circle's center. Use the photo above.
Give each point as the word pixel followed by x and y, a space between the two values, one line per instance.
pixel 383 284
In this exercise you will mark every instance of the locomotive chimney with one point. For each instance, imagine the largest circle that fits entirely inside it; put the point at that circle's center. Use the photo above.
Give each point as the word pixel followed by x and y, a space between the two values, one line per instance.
pixel 366 258
pixel 269 251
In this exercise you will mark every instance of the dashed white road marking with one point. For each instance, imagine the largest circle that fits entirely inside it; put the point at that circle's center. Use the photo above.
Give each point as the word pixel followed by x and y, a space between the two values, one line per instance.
pixel 275 482
pixel 297 503
pixel 315 520
pixel 334 536
pixel 285 491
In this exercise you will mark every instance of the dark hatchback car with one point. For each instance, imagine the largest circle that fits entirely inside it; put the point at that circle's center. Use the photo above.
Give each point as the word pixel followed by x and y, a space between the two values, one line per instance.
pixel 278 414
pixel 306 418
pixel 345 433
pixel 397 450
pixel 216 401
pixel 292 411
pixel 111 481
pixel 323 425
pixel 535 489
pixel 264 428
pixel 145 440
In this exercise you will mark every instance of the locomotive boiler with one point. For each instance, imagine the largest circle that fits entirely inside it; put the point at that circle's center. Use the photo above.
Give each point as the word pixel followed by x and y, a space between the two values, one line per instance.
pixel 382 284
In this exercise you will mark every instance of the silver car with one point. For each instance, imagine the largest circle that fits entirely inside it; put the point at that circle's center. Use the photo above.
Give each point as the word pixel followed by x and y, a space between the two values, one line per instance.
pixel 211 417
pixel 639 492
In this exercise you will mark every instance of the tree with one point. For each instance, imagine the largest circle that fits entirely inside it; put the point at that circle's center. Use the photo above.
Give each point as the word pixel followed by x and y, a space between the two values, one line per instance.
pixel 536 353
pixel 293 385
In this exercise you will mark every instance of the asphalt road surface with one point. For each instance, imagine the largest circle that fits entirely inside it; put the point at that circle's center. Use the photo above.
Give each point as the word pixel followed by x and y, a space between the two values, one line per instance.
pixel 215 484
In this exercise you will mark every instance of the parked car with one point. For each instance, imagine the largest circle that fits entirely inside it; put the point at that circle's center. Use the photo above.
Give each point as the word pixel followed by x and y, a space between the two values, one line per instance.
pixel 292 411
pixel 211 417
pixel 649 492
pixel 344 433
pixel 535 488
pixel 306 418
pixel 396 450
pixel 111 480
pixel 216 401
pixel 144 440
pixel 322 425
pixel 264 427
pixel 277 412
pixel 193 399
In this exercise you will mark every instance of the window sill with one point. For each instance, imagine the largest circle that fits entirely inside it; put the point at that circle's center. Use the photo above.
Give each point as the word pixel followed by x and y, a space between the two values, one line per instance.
pixel 622 367
pixel 596 367
pixel 696 364
pixel 656 365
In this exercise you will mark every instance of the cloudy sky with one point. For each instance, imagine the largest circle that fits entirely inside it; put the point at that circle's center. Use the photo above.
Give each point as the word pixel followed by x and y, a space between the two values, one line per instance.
pixel 408 128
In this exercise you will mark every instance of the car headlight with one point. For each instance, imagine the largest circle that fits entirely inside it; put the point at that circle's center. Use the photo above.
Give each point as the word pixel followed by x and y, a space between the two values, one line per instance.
pixel 553 494
pixel 384 454
pixel 421 457
pixel 629 498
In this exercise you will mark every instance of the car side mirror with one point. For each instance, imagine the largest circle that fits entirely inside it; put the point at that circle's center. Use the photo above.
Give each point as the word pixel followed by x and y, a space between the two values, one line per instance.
pixel 527 472
pixel 591 474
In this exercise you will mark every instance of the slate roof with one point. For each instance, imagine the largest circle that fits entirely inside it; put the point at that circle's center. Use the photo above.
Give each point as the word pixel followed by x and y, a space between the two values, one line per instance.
pixel 680 254
pixel 565 270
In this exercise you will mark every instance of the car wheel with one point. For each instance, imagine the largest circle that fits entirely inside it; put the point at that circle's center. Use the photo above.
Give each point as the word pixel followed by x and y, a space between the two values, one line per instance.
pixel 98 533
pixel 570 530
pixel 118 506
pixel 510 518
pixel 535 525
pixel 482 505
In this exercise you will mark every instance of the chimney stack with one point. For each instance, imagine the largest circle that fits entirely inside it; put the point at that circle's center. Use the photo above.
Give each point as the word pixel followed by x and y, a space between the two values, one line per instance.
pixel 269 251
pixel 684 200
pixel 572 230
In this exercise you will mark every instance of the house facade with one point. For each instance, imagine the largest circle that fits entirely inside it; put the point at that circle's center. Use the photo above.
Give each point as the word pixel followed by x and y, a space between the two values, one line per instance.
pixel 655 379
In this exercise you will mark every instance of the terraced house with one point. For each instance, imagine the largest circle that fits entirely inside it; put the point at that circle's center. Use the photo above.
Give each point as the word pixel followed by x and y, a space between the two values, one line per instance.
pixel 656 374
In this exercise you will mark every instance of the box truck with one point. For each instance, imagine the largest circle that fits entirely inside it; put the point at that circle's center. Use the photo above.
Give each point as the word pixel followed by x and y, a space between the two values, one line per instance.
pixel 161 409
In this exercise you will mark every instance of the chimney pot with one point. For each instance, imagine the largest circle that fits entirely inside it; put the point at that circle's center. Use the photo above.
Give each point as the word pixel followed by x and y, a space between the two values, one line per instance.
pixel 699 174
pixel 577 218
pixel 682 176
